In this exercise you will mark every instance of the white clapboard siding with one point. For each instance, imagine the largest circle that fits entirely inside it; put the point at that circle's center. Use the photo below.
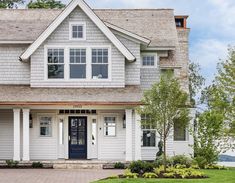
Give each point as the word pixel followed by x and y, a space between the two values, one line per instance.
pixel 111 148
pixel 149 76
pixel 12 71
pixel 6 134
pixel 94 37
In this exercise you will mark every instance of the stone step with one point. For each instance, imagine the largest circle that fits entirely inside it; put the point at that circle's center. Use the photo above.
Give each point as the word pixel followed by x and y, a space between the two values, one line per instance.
pixel 77 166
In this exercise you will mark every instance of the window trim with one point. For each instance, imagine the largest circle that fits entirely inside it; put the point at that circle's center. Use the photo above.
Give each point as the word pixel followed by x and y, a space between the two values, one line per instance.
pixel 116 125
pixel 71 24
pixel 155 60
pixel 88 63
pixel 186 135
pixel 39 126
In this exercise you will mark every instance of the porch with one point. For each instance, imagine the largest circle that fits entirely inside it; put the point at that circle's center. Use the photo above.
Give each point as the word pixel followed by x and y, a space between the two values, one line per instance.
pixel 103 134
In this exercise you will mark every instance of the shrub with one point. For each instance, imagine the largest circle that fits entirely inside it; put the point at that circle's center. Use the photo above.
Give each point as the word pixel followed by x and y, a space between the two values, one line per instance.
pixel 181 160
pixel 169 175
pixel 119 165
pixel 141 167
pixel 200 161
pixel 160 161
pixel 37 165
pixel 12 163
pixel 150 175
pixel 128 174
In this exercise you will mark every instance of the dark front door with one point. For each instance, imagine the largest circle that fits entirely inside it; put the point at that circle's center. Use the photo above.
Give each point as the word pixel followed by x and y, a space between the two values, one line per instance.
pixel 78 137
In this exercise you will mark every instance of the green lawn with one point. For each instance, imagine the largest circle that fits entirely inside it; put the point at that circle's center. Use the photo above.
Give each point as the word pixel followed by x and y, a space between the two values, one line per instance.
pixel 215 176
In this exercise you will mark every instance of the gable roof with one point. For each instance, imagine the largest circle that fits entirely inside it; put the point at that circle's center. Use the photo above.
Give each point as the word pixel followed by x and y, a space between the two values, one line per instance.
pixel 60 18
pixel 157 25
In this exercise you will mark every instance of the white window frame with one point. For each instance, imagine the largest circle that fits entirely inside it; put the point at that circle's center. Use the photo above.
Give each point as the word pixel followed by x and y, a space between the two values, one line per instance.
pixel 39 125
pixel 71 24
pixel 88 63
pixel 103 121
pixel 155 60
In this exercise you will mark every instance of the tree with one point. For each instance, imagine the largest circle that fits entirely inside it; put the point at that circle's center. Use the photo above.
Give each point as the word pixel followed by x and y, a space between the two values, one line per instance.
pixel 165 103
pixel 196 81
pixel 46 4
pixel 10 3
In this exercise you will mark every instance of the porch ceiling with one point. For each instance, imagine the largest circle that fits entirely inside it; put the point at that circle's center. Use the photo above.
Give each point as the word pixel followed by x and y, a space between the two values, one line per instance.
pixel 25 95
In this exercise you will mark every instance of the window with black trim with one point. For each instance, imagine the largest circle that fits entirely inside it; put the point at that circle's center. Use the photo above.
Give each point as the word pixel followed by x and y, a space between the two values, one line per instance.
pixel 55 63
pixel 77 63
pixel 100 59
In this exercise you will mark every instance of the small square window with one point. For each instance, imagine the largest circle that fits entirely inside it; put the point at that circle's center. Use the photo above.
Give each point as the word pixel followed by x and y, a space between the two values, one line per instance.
pixel 148 60
pixel 77 31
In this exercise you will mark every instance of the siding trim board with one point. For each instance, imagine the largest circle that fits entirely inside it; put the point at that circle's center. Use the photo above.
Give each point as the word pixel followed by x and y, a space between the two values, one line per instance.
pixel 63 15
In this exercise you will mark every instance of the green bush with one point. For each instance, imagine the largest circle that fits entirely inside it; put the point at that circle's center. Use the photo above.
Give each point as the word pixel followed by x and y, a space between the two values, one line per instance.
pixel 181 160
pixel 169 175
pixel 129 175
pixel 12 163
pixel 200 161
pixel 150 175
pixel 119 165
pixel 37 165
pixel 140 167
pixel 160 161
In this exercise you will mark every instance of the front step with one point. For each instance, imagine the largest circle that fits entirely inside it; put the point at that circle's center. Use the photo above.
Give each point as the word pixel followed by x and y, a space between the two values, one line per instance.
pixel 77 166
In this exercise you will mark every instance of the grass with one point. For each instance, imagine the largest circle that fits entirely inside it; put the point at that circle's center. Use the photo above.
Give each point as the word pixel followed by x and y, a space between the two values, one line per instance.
pixel 215 176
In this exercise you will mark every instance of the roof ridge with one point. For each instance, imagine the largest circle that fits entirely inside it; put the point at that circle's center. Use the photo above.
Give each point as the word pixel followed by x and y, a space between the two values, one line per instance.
pixel 132 9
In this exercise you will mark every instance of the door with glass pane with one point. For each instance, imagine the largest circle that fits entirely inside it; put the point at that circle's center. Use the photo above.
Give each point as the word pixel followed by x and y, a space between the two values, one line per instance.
pixel 78 137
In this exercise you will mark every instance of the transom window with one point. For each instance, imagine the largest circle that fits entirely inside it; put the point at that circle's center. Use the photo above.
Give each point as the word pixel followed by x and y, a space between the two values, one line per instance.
pixel 148 60
pixel 100 60
pixel 148 133
pixel 45 126
pixel 77 31
pixel 77 63
pixel 55 63
pixel 109 126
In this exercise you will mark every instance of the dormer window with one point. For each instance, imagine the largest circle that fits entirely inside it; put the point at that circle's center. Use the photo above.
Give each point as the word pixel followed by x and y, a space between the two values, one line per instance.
pixel 77 31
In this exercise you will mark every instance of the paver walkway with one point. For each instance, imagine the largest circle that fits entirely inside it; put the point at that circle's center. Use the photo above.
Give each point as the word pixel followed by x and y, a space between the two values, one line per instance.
pixel 53 175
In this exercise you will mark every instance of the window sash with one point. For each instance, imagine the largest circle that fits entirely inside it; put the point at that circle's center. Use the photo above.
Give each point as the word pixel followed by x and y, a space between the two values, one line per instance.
pixel 109 126
pixel 77 31
pixel 45 126
pixel 149 138
pixel 179 133
pixel 148 60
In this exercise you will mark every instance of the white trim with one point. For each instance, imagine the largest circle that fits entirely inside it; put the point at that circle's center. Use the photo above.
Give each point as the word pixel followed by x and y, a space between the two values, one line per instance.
pixel 26 135
pixel 88 62
pixel 52 115
pixel 16 42
pixel 71 24
pixel 89 12
pixel 155 60
pixel 128 33
pixel 16 136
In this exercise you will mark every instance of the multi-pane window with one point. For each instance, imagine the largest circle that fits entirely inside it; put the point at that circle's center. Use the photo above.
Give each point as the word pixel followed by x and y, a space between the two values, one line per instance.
pixel 45 126
pixel 109 126
pixel 77 31
pixel 148 60
pixel 55 63
pixel 100 63
pixel 179 132
pixel 77 63
pixel 148 133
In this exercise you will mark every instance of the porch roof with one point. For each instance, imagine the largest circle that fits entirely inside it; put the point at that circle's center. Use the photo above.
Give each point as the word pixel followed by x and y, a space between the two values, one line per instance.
pixel 25 95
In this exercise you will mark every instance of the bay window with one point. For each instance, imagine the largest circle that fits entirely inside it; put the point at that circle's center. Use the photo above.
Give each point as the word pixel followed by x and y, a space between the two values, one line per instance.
pixel 55 63
pixel 77 63
pixel 100 63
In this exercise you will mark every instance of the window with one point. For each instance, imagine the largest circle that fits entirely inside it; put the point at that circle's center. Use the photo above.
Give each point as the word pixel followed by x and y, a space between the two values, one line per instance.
pixel 55 63
pixel 148 60
pixel 148 133
pixel 77 31
pixel 109 126
pixel 179 132
pixel 100 63
pixel 77 63
pixel 45 126
pixel 94 131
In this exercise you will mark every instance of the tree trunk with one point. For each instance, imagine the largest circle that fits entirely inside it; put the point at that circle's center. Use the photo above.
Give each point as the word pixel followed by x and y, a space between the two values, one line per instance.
pixel 164 142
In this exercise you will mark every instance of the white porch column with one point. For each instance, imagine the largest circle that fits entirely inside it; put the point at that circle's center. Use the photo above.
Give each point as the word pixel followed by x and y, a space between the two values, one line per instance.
pixel 129 135
pixel 16 121
pixel 25 134
pixel 137 136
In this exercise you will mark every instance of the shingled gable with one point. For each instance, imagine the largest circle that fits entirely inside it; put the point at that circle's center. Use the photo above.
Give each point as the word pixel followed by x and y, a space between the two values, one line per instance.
pixel 59 19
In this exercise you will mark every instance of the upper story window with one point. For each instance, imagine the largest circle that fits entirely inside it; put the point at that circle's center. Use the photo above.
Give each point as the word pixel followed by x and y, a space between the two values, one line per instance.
pixel 55 63
pixel 77 31
pixel 100 59
pixel 149 60
pixel 77 63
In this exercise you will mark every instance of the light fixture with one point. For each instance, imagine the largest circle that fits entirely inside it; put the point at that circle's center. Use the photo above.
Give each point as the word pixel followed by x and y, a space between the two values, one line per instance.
pixel 30 121
pixel 124 121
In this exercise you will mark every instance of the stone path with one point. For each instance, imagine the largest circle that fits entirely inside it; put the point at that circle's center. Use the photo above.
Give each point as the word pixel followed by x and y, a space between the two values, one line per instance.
pixel 54 175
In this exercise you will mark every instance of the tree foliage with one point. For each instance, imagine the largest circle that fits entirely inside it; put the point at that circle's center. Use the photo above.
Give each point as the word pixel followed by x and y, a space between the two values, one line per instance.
pixel 46 4
pixel 165 103
pixel 196 81
pixel 10 3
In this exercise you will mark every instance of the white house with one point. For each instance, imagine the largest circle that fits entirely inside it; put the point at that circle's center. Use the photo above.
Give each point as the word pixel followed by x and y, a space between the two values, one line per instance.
pixel 70 81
